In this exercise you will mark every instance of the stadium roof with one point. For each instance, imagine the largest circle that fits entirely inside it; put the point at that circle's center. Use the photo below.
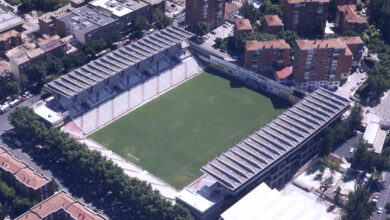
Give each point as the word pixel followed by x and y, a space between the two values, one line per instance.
pixel 253 155
pixel 113 63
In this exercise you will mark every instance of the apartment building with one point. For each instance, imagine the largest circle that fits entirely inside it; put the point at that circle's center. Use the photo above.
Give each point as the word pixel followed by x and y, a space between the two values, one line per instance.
pixel 266 55
pixel 23 56
pixel 9 40
pixel 303 16
pixel 27 180
pixel 348 19
pixel 47 21
pixel 241 26
pixel 231 11
pixel 60 206
pixel 272 24
pixel 355 45
pixel 5 77
pixel 210 11
pixel 321 63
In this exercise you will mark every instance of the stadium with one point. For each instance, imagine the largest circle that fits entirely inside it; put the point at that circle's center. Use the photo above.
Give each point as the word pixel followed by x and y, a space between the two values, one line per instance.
pixel 154 110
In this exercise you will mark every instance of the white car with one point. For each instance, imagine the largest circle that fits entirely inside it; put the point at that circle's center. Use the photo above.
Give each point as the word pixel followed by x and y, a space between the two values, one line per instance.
pixel 379 210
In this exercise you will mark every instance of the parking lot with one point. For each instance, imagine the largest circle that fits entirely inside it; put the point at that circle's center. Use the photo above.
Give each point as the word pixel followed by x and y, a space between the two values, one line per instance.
pixel 355 80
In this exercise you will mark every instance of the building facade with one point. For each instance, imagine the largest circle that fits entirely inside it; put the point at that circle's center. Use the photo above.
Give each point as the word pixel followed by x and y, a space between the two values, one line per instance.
pixel 303 16
pixel 355 45
pixel 210 11
pixel 9 40
pixel 241 26
pixel 272 24
pixel 266 55
pixel 348 19
pixel 321 63
pixel 47 21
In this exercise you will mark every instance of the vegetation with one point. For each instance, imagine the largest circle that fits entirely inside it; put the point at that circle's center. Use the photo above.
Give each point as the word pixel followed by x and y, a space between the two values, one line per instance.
pixel 41 5
pixel 201 28
pixel 98 177
pixel 141 23
pixel 161 20
pixel 358 206
pixel 16 204
pixel 337 133
pixel 369 161
pixel 173 143
pixel 12 88
pixel 13 2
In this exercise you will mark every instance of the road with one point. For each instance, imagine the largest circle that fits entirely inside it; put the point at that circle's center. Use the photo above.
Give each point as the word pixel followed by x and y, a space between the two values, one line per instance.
pixel 383 198
pixel 350 86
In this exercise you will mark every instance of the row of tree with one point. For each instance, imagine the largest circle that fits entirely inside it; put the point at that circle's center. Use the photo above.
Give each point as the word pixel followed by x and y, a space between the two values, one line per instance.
pixel 98 176
pixel 42 5
pixel 369 161
pixel 15 203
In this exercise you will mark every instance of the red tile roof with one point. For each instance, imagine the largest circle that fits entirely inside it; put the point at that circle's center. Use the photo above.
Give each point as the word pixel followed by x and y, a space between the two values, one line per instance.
pixel 31 179
pixel 57 202
pixel 243 24
pixel 328 43
pixel 273 20
pixel 258 45
pixel 229 7
pixel 351 15
pixel 10 164
pixel 284 73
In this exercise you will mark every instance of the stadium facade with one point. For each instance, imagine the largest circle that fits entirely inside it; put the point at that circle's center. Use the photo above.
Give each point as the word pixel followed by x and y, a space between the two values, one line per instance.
pixel 271 155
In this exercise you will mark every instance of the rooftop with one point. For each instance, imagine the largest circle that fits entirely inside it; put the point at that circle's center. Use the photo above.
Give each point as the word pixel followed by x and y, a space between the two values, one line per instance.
pixel 352 40
pixel 86 19
pixel 328 43
pixel 351 14
pixel 258 45
pixel 113 63
pixel 9 21
pixel 256 153
pixel 118 8
pixel 284 73
pixel 61 11
pixel 305 1
pixel 60 201
pixel 243 24
pixel 8 34
pixel 229 7
pixel 273 20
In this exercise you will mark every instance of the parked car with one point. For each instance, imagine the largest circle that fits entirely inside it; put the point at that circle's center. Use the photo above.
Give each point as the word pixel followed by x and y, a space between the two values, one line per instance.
pixel 380 209
pixel 361 70
pixel 14 103
pixel 4 108
pixel 22 99
pixel 360 82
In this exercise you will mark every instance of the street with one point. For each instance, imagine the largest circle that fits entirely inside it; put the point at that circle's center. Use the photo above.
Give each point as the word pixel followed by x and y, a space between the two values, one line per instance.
pixel 383 199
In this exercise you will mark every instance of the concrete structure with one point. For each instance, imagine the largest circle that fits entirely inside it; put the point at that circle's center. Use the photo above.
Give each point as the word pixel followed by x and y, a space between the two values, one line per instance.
pixel 10 21
pixel 210 11
pixel 271 155
pixel 266 55
pixel 266 203
pixel 375 136
pixel 9 40
pixel 96 81
pixel 86 23
pixel 231 11
pixel 321 63
pixel 355 45
pixel 348 19
pixel 47 21
pixel 19 174
pixel 23 56
pixel 272 24
pixel 78 3
pixel 241 26
pixel 60 206
pixel 303 16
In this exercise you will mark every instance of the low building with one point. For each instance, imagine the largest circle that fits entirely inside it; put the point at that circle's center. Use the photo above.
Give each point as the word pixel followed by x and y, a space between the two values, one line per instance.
pixel 266 203
pixel 355 45
pixel 375 136
pixel 78 3
pixel 60 206
pixel 348 19
pixel 23 56
pixel 266 55
pixel 231 11
pixel 321 63
pixel 284 75
pixel 9 40
pixel 241 26
pixel 47 21
pixel 9 21
pixel 272 24
pixel 19 174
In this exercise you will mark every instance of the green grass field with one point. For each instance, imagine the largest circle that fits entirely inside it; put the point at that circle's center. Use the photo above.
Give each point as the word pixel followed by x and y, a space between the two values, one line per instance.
pixel 176 134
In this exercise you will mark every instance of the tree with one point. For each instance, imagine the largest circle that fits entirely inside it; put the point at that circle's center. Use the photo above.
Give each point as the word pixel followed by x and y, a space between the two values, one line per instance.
pixel 12 88
pixel 218 42
pixel 249 12
pixel 358 206
pixel 37 73
pixel 54 66
pixel 337 194
pixel 201 28
pixel 161 20
pixel 141 23
pixel 23 80
pixel 290 37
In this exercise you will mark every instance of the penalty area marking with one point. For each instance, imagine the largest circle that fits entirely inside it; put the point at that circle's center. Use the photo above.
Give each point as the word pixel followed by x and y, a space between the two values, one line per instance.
pixel 134 157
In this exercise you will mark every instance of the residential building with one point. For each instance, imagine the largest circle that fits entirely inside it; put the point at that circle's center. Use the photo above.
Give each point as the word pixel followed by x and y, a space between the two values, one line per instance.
pixel 304 16
pixel 266 55
pixel 86 23
pixel 78 3
pixel 5 77
pixel 23 56
pixel 9 40
pixel 47 21
pixel 210 11
pixel 60 206
pixel 231 11
pixel 348 19
pixel 321 63
pixel 241 26
pixel 19 174
pixel 355 45
pixel 272 24
pixel 9 21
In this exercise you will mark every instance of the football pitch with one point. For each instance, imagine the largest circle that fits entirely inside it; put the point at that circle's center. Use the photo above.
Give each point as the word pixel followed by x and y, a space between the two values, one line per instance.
pixel 174 135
